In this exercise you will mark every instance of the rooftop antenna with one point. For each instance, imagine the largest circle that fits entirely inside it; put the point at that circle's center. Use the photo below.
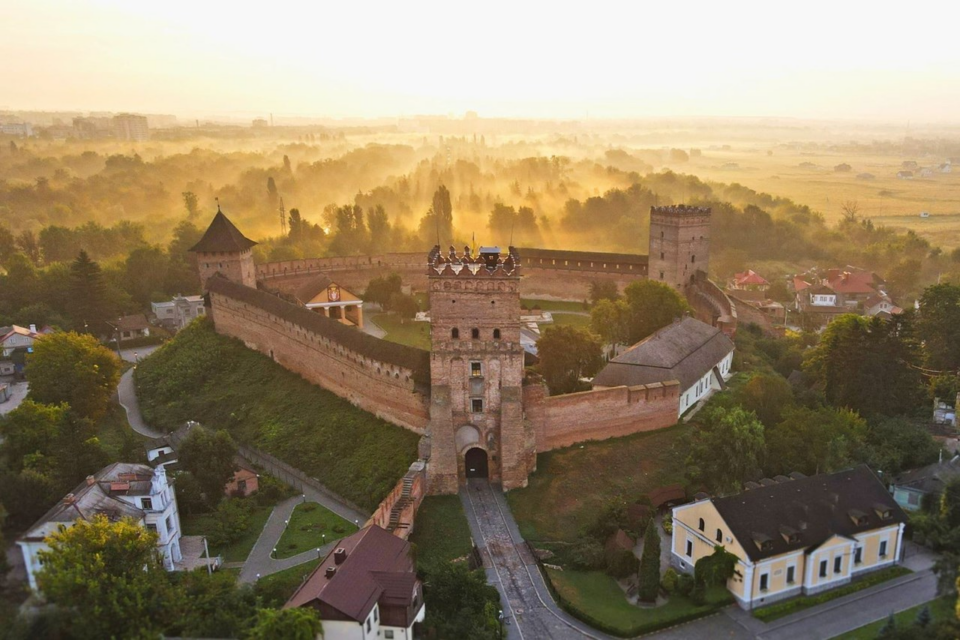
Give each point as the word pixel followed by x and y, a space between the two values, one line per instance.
pixel 218 204
pixel 283 219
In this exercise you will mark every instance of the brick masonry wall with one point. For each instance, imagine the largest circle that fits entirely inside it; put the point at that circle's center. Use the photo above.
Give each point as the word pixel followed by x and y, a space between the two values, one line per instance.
pixel 561 421
pixel 385 390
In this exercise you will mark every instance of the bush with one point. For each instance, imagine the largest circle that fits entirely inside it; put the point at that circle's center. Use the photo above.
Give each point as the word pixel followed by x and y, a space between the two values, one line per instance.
pixel 622 563
pixel 668 523
pixel 685 584
pixel 271 490
pixel 232 518
pixel 586 554
pixel 670 580
pixel 650 565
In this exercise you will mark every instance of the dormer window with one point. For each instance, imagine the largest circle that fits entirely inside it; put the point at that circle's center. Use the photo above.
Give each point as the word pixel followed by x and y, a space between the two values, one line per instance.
pixel 763 542
pixel 858 517
pixel 883 511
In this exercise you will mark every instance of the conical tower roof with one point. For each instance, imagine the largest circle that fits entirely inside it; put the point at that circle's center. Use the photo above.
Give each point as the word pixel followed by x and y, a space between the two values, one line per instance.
pixel 222 237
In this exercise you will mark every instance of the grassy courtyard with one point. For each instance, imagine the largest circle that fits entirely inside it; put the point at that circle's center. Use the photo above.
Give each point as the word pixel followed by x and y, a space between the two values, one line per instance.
pixel 441 533
pixel 596 598
pixel 408 332
pixel 311 525
pixel 571 485
pixel 204 524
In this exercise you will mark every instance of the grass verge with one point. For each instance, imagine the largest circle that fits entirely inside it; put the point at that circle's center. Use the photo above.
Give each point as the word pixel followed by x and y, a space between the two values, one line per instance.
pixel 408 332
pixel 442 533
pixel 203 524
pixel 595 598
pixel 308 525
pixel 794 605
pixel 940 609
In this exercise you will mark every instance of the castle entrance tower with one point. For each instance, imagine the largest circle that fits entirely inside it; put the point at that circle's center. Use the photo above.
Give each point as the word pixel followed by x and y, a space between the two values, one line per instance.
pixel 679 244
pixel 476 426
pixel 224 250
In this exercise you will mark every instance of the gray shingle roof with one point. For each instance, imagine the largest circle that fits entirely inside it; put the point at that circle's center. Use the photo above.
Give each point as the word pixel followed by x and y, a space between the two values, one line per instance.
pixel 684 351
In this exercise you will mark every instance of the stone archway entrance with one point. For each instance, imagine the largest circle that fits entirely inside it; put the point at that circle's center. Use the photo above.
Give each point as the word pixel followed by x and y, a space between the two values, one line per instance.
pixel 475 463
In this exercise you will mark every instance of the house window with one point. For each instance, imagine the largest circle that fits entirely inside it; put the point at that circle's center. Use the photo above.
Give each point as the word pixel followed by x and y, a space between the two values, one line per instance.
pixel 689 549
pixel 242 486
pixel 702 524
pixel 496 334
pixel 837 564
pixel 368 625
pixel 913 498
pixel 476 369
pixel 455 334
pixel 146 504
pixel 858 555
pixel 719 536
pixel 475 333
pixel 883 549
pixel 661 275
pixel 376 615
pixel 790 574
pixel 763 581
pixel 476 405
pixel 151 527
pixel 823 568
pixel 388 634
pixel 168 523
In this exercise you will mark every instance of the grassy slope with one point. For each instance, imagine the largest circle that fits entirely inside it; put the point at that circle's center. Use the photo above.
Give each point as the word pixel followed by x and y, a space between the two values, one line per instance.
pixel 307 525
pixel 940 609
pixel 215 380
pixel 442 533
pixel 571 485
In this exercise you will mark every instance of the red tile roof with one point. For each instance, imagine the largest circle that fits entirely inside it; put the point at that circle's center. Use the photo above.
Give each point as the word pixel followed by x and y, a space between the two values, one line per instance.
pixel 851 281
pixel 749 277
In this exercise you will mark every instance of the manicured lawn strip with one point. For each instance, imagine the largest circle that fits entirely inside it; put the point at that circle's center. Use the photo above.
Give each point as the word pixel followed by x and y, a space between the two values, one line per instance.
pixel 202 524
pixel 442 533
pixel 794 605
pixel 553 305
pixel 408 332
pixel 940 609
pixel 595 598
pixel 218 382
pixel 571 485
pixel 276 588
pixel 309 522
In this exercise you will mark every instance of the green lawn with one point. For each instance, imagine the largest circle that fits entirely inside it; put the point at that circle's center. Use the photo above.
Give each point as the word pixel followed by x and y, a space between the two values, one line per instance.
pixel 276 588
pixel 408 332
pixel 441 533
pixel 571 485
pixel 940 609
pixel 120 441
pixel 308 524
pixel 202 524
pixel 567 320
pixel 595 595
pixel 553 305
pixel 787 607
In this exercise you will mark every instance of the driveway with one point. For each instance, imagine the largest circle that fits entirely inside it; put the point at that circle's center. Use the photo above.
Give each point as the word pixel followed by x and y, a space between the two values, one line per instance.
pixel 127 395
pixel 18 391
pixel 138 354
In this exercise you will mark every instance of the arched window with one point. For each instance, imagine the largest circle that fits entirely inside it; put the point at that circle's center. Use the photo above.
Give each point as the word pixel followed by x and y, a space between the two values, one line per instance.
pixel 455 334
pixel 496 334
pixel 475 333
pixel 702 524
pixel 719 536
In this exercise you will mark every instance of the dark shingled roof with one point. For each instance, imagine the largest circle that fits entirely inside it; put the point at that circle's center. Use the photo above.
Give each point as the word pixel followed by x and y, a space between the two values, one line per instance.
pixel 312 288
pixel 377 567
pixel 931 478
pixel 811 510
pixel 417 360
pixel 222 237
pixel 683 351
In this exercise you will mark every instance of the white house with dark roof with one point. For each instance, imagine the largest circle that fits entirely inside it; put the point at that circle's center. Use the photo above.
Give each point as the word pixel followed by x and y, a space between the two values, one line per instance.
pixel 121 490
pixel 699 356
pixel 794 535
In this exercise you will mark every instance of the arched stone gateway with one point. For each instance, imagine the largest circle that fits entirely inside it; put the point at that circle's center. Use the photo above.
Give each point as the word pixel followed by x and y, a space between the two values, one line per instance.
pixel 475 463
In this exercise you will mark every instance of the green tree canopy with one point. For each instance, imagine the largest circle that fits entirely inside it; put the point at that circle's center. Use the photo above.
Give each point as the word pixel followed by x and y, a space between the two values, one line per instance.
pixel 568 354
pixel 653 305
pixel 767 395
pixel 459 603
pixel 814 441
pixel 88 302
pixel 649 577
pixel 727 450
pixel 286 624
pixel 209 457
pixel 939 326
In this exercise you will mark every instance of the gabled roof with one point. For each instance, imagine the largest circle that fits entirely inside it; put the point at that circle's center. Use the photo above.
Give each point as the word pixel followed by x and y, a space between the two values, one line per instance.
pixel 802 514
pixel 931 478
pixel 136 322
pixel 377 566
pixel 222 237
pixel 684 351
pixel 749 277
pixel 852 281
pixel 799 284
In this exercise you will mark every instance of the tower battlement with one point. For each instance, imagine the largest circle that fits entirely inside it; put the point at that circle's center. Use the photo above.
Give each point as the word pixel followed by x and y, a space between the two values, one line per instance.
pixel 488 262
pixel 681 210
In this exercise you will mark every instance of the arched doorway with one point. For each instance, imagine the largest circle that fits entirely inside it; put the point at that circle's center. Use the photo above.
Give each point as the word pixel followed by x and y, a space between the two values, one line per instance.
pixel 475 462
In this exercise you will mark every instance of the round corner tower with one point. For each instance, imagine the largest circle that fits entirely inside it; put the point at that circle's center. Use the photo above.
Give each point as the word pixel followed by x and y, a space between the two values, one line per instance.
pixel 477 427
pixel 224 250
pixel 679 244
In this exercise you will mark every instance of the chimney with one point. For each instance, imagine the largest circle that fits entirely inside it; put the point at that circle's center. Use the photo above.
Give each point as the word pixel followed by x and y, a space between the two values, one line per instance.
pixel 69 499
pixel 91 481
pixel 339 555
pixel 33 328
pixel 330 572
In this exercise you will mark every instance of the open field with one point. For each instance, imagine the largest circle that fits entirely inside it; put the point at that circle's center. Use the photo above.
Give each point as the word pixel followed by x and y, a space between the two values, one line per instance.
pixel 571 485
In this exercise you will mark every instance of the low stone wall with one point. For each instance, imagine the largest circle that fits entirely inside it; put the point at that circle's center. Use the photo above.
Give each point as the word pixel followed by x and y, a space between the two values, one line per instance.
pixel 561 421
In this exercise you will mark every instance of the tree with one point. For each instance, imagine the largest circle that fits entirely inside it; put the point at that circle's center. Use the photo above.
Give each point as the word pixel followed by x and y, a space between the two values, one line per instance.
pixel 437 224
pixel 382 288
pixel 145 274
pixel 109 575
pixel 190 202
pixel 898 444
pixel 211 605
pixel 603 290
pixel 568 354
pixel 716 568
pixel 379 227
pixel 939 324
pixel 209 457
pixel 75 369
pixel 29 430
pixel 923 618
pixel 286 624
pixel 767 395
pixel 727 450
pixel 404 306
pixel 609 320
pixel 8 245
pixel 653 305
pixel 88 296
pixel 950 503
pixel 814 441
pixel 649 577
pixel 459 603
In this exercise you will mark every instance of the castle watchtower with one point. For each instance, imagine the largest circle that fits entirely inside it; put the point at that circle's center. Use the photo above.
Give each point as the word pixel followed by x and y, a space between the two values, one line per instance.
pixel 679 244
pixel 224 250
pixel 476 370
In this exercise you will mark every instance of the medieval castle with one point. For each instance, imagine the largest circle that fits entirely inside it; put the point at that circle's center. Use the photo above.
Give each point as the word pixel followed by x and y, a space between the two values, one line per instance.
pixel 469 396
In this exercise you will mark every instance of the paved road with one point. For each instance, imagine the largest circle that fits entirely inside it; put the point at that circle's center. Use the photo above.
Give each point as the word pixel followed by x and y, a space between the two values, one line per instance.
pixel 528 609
pixel 127 394
pixel 138 354
pixel 371 327
pixel 18 391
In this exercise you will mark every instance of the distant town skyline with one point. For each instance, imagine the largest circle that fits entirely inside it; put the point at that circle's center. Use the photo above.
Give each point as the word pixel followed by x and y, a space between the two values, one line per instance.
pixel 607 60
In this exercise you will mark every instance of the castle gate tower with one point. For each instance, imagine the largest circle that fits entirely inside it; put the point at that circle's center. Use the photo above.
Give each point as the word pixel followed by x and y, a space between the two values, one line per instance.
pixel 224 250
pixel 476 425
pixel 679 244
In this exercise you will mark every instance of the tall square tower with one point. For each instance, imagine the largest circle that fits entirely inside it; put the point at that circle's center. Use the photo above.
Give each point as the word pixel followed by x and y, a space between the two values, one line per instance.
pixel 679 244
pixel 224 250
pixel 477 428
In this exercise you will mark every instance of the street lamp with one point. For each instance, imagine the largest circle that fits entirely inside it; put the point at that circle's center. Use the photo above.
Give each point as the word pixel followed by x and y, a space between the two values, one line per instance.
pixel 318 553
pixel 273 554
pixel 500 621
pixel 323 539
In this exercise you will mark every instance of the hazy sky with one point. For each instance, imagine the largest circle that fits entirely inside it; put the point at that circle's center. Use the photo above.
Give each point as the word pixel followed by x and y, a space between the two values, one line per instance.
pixel 892 61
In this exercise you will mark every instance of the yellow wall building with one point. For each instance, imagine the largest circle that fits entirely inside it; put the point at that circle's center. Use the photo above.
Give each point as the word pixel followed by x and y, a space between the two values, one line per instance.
pixel 794 535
